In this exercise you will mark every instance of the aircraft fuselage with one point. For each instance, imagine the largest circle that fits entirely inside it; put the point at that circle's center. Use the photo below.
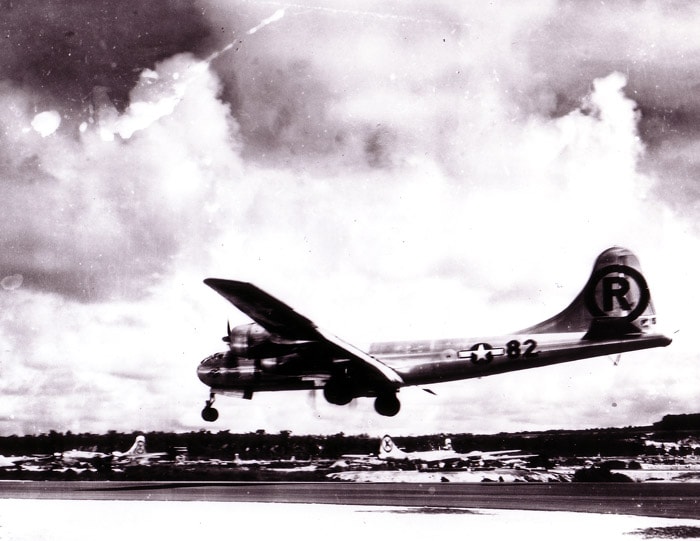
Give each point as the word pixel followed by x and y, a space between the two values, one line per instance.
pixel 419 362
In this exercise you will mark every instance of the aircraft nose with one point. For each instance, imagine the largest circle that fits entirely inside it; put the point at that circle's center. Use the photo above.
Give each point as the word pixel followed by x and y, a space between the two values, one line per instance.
pixel 208 367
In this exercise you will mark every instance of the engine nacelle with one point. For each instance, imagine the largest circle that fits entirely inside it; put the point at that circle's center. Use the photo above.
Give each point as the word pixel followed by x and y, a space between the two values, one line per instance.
pixel 244 340
pixel 245 370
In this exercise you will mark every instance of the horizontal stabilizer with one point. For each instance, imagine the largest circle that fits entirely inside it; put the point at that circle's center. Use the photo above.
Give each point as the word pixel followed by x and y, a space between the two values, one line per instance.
pixel 608 328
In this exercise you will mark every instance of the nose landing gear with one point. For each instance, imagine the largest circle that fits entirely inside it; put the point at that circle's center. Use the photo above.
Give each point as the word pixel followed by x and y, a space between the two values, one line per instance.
pixel 210 414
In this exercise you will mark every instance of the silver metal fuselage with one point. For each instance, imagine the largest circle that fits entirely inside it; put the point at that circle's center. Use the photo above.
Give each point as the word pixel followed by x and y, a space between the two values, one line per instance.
pixel 418 362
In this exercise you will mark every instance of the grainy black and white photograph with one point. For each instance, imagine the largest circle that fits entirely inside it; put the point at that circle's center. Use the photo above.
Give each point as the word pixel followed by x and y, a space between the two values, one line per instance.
pixel 338 267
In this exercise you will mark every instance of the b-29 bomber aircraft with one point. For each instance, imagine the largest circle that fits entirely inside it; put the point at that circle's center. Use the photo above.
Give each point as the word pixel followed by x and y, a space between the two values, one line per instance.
pixel 283 350
pixel 447 457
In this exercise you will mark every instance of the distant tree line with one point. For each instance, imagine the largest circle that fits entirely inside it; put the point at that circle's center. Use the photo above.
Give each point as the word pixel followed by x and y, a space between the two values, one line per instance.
pixel 261 445
pixel 222 445
pixel 689 421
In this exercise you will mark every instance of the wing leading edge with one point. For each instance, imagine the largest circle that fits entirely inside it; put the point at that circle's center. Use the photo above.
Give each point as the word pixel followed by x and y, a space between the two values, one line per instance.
pixel 282 320
pixel 275 316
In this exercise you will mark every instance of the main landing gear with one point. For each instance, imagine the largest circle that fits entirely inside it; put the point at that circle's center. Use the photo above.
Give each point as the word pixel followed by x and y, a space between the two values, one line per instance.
pixel 340 391
pixel 210 414
pixel 387 404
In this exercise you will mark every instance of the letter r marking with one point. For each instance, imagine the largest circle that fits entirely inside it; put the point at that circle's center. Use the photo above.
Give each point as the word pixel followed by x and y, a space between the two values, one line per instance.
pixel 615 287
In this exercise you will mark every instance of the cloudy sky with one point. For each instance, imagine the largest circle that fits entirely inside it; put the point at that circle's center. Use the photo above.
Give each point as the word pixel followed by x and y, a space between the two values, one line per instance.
pixel 392 170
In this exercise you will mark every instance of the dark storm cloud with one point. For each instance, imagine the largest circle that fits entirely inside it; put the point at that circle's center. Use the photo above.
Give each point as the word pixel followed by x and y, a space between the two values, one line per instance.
pixel 364 85
pixel 95 207
pixel 660 60
pixel 316 85
pixel 63 49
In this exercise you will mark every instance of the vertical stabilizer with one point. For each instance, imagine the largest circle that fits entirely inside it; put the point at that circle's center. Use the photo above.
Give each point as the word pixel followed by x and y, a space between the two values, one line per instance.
pixel 614 302
pixel 388 450
pixel 139 446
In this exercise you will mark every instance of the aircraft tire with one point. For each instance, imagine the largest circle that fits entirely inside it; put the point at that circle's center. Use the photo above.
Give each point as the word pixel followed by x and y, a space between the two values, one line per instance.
pixel 210 414
pixel 387 404
pixel 338 392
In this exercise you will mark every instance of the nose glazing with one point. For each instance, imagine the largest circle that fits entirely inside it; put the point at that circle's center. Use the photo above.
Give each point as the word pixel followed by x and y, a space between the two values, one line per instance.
pixel 207 368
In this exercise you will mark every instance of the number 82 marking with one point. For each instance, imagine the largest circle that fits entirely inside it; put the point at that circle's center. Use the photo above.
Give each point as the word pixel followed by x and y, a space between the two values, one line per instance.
pixel 514 349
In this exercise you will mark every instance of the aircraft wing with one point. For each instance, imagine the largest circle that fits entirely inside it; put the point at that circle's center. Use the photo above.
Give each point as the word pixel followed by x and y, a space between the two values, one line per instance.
pixel 435 457
pixel 359 356
pixel 264 309
pixel 282 320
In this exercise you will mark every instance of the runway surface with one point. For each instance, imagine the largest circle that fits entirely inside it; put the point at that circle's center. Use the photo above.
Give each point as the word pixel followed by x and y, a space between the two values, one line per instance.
pixel 671 500
pixel 37 511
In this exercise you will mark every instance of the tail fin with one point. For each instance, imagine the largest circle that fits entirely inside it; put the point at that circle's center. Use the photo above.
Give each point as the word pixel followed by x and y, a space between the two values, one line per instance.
pixel 388 449
pixel 139 446
pixel 614 302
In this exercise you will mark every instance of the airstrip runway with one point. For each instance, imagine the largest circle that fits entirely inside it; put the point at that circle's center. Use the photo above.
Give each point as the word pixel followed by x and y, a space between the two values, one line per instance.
pixel 183 511
pixel 673 500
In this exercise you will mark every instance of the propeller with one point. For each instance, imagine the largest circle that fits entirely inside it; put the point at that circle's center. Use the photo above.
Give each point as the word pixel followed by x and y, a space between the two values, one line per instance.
pixel 227 338
pixel 313 401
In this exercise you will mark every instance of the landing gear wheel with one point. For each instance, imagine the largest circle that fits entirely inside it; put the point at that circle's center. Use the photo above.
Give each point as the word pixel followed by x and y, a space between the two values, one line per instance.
pixel 210 414
pixel 338 391
pixel 387 404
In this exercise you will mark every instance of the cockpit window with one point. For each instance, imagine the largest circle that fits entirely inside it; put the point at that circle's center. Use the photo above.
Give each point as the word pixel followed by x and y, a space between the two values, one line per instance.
pixel 215 357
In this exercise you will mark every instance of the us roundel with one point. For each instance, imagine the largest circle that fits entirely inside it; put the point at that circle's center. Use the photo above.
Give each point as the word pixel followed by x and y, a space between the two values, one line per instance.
pixel 617 291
